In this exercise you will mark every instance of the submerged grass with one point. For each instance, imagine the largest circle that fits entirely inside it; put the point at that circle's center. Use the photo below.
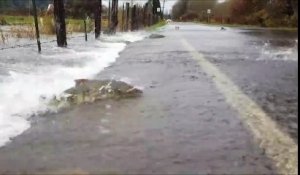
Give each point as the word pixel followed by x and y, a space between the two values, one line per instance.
pixel 156 26
pixel 22 32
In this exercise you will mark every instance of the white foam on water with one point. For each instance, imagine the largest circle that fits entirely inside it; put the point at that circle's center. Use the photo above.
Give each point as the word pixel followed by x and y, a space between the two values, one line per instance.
pixel 126 36
pixel 279 53
pixel 20 93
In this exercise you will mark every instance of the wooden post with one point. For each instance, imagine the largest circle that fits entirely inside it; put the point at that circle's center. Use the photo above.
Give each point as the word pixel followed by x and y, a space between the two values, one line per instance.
pixel 163 9
pixel 114 17
pixel 123 17
pixel 137 17
pixel 85 32
pixel 36 26
pixel 145 15
pixel 109 14
pixel 133 18
pixel 60 24
pixel 98 9
pixel 127 17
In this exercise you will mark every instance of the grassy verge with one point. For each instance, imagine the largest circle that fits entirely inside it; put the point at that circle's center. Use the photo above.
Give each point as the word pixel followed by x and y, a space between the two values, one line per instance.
pixel 156 26
pixel 16 20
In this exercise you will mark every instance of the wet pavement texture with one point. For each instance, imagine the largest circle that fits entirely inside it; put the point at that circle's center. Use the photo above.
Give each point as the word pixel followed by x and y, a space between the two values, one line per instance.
pixel 180 125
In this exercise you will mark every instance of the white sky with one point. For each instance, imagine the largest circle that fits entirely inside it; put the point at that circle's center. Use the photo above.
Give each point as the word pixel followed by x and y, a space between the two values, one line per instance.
pixel 168 3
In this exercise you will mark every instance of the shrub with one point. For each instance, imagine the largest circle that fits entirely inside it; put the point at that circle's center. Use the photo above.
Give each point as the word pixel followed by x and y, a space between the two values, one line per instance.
pixel 47 25
pixel 190 16
pixel 78 26
pixel 3 21
pixel 293 22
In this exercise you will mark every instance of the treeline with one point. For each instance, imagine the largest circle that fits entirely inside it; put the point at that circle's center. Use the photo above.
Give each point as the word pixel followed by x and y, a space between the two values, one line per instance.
pixel 266 13
pixel 74 8
pixel 6 5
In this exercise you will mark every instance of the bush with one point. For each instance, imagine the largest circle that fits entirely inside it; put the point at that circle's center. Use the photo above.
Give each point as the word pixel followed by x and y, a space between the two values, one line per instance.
pixel 47 25
pixel 190 16
pixel 3 21
pixel 294 21
pixel 78 26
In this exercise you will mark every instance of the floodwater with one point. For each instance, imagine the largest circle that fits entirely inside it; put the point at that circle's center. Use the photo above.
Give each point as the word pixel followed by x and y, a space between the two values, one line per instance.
pixel 181 124
pixel 28 79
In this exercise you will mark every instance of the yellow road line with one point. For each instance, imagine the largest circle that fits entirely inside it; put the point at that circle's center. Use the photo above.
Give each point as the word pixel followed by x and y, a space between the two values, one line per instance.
pixel 277 145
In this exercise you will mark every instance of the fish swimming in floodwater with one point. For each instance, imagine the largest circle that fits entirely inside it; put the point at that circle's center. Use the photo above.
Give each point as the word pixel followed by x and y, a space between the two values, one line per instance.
pixel 86 91
pixel 155 36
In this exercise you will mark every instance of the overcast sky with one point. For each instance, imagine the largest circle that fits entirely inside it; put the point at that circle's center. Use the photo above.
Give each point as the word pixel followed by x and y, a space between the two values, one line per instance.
pixel 168 3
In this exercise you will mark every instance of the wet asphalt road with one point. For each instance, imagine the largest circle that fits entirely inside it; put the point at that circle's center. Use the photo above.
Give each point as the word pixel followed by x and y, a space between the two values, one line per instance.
pixel 182 124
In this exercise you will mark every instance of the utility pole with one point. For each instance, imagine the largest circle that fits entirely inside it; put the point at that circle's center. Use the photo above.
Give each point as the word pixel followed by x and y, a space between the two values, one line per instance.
pixel 98 10
pixel 163 9
pixel 36 26
pixel 60 24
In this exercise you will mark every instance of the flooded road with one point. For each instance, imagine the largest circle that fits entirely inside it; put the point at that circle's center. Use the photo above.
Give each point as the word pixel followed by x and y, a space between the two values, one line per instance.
pixel 183 123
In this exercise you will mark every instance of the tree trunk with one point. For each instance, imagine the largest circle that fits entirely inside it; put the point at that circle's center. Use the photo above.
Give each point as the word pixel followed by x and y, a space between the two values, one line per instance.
pixel 127 17
pixel 114 17
pixel 60 24
pixel 133 18
pixel 98 10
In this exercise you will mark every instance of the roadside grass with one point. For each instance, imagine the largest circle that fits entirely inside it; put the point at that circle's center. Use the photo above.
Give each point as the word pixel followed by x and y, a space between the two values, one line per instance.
pixel 23 26
pixel 46 24
pixel 156 26
pixel 16 20
pixel 22 32
pixel 4 37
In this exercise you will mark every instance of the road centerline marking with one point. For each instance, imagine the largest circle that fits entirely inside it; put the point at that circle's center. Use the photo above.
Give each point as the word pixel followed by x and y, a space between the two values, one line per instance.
pixel 278 146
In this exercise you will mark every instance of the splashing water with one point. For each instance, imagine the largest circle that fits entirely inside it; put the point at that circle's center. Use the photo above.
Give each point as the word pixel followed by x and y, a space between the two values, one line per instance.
pixel 28 80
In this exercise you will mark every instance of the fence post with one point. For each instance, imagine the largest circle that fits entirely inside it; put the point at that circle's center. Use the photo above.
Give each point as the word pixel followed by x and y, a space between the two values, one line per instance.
pixel 123 17
pixel 36 26
pixel 163 9
pixel 114 17
pixel 60 24
pixel 108 14
pixel 98 18
pixel 133 18
pixel 85 32
pixel 127 17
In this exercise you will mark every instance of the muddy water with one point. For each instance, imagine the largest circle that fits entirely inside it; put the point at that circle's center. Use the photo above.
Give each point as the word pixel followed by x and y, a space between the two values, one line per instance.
pixel 181 124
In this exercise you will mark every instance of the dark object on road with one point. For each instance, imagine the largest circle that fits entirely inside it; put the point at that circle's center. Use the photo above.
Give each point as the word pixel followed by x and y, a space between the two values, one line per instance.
pixel 155 36
pixel 88 91
pixel 222 28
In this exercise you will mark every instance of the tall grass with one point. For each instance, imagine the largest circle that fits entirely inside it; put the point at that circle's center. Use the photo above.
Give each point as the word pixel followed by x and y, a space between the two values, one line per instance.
pixel 22 32
pixel 76 25
pixel 3 38
pixel 47 25
pixel 157 25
